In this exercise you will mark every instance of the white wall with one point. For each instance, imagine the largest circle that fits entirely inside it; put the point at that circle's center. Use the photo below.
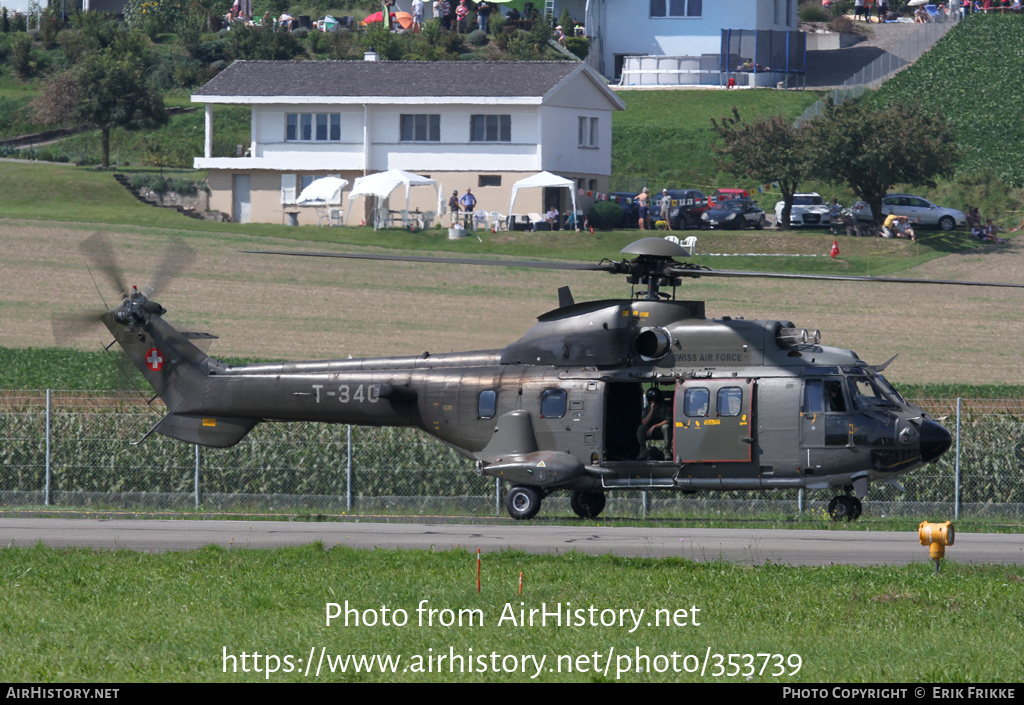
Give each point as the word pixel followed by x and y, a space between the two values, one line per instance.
pixel 628 28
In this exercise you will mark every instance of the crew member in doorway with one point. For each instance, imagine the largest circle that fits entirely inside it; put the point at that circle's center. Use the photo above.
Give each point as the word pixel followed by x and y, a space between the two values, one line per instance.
pixel 654 424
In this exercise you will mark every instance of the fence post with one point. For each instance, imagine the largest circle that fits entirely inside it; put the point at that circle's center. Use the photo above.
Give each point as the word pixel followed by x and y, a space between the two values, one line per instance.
pixel 197 477
pixel 497 496
pixel 956 482
pixel 46 494
pixel 348 470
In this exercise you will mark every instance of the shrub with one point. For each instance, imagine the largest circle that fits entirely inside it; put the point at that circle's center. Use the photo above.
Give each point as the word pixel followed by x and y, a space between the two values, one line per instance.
pixel 477 38
pixel 812 11
pixel 842 24
pixel 580 46
pixel 605 215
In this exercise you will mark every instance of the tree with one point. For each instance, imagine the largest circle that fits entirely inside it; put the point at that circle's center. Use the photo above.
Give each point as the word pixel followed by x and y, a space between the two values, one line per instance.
pixel 768 149
pixel 873 149
pixel 107 89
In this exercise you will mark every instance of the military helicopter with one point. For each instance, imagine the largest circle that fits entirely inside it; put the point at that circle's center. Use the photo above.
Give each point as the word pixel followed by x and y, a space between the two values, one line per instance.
pixel 744 404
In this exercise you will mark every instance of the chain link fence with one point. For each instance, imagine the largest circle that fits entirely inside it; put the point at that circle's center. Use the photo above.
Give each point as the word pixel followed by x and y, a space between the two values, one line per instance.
pixel 80 450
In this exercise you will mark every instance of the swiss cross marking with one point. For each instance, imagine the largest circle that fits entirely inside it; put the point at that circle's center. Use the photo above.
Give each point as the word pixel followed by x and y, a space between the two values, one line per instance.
pixel 154 360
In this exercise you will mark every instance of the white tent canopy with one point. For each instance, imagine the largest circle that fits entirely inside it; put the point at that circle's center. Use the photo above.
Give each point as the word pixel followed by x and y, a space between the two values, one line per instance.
pixel 325 190
pixel 544 179
pixel 381 184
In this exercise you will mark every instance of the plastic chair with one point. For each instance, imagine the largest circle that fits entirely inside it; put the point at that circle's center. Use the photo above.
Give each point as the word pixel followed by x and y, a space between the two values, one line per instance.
pixel 334 216
pixel 672 238
pixel 690 245
pixel 479 220
pixel 498 221
pixel 428 219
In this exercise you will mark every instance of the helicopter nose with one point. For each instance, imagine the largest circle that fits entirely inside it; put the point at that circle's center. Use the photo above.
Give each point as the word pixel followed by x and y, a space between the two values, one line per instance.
pixel 935 440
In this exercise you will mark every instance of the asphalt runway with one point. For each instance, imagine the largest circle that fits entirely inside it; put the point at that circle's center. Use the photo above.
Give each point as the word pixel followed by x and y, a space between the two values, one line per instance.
pixel 742 546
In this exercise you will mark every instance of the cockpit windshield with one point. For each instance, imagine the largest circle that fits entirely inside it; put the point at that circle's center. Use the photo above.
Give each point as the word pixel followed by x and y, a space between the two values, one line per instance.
pixel 865 393
pixel 889 390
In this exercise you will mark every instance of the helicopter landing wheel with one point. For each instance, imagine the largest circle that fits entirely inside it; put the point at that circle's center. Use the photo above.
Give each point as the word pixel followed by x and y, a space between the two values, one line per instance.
pixel 587 505
pixel 844 508
pixel 522 503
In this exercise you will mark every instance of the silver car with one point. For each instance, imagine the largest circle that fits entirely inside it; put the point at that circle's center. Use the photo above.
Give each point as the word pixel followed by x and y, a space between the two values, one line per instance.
pixel 917 210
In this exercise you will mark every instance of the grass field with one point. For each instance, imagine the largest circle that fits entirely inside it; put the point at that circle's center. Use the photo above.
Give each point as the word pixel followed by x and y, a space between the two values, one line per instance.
pixel 314 308
pixel 114 617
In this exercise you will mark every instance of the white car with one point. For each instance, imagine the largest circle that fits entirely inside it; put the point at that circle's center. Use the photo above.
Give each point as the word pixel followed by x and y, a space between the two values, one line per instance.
pixel 808 209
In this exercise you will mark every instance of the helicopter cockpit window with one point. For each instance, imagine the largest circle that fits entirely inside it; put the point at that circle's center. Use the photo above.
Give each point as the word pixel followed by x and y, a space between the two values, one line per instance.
pixel 821 395
pixel 866 393
pixel 487 404
pixel 889 390
pixel 552 403
pixel 730 401
pixel 696 401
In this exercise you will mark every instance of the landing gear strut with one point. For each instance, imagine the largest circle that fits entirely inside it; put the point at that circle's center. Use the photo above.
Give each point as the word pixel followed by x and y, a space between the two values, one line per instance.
pixel 845 507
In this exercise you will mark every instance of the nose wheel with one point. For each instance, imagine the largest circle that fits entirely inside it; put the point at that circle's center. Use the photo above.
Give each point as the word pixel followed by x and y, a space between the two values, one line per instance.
pixel 845 507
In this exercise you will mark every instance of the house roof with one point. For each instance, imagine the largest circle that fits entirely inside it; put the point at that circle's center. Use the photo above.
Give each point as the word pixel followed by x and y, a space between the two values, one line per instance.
pixel 388 79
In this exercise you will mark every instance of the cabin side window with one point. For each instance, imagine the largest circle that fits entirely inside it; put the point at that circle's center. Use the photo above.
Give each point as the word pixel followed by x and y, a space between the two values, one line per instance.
pixel 552 403
pixel 696 401
pixel 730 401
pixel 487 404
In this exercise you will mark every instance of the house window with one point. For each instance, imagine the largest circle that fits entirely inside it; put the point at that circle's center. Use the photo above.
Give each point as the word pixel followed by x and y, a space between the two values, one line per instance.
pixel 490 128
pixel 312 127
pixel 421 128
pixel 587 132
pixel 489 180
pixel 677 8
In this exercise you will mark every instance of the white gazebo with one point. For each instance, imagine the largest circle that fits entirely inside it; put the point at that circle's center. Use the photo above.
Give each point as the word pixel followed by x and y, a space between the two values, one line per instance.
pixel 381 185
pixel 544 179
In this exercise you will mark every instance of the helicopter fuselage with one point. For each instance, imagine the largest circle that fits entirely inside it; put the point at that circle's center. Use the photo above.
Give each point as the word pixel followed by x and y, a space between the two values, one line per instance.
pixel 750 404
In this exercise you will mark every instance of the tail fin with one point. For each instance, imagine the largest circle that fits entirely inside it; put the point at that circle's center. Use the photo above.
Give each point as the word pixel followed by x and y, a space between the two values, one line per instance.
pixel 173 366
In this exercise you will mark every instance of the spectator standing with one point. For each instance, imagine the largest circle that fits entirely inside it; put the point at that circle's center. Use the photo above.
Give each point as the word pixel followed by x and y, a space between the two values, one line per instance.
pixel 483 16
pixel 417 15
pixel 643 200
pixel 858 9
pixel 468 203
pixel 461 13
pixel 666 208
pixel 453 207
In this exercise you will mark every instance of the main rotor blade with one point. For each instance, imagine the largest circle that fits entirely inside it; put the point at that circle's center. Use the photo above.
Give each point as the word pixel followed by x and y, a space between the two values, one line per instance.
pixel 98 251
pixel 176 258
pixel 681 272
pixel 579 266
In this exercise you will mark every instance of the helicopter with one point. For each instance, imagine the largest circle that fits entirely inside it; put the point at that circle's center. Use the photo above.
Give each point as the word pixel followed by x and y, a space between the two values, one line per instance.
pixel 737 404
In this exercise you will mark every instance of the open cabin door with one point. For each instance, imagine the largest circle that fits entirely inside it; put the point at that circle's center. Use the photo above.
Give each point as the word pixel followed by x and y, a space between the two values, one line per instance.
pixel 713 421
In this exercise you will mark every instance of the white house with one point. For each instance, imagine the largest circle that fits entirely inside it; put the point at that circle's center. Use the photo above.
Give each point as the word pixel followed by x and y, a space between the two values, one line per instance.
pixel 622 28
pixel 465 124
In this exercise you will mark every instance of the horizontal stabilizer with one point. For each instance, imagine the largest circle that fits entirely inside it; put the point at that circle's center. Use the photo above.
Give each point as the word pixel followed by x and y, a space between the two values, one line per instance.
pixel 212 431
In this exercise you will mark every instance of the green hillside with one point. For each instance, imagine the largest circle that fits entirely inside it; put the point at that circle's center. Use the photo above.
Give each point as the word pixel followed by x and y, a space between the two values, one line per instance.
pixel 975 77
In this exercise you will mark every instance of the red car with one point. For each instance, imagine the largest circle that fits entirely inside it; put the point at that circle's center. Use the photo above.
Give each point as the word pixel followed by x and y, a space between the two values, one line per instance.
pixel 726 194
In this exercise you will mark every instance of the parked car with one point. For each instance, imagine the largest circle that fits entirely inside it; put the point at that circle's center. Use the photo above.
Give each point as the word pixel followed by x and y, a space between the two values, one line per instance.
pixel 726 194
pixel 737 213
pixel 687 207
pixel 918 210
pixel 808 209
